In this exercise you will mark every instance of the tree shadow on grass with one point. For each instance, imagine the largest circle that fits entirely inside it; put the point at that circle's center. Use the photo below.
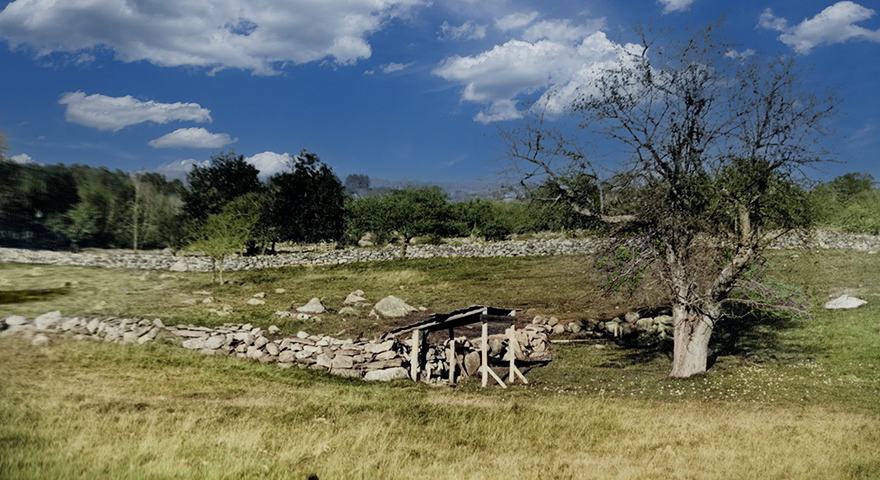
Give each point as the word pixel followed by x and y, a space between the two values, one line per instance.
pixel 9 297
pixel 757 336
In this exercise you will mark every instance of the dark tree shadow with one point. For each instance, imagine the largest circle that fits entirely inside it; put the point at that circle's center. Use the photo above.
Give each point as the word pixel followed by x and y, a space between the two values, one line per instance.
pixel 8 297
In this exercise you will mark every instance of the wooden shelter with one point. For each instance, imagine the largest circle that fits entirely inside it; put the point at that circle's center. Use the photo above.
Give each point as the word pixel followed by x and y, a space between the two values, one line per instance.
pixel 460 318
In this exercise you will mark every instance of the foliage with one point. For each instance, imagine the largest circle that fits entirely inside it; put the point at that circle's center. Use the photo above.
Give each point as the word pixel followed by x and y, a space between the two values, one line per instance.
pixel 712 141
pixel 211 187
pixel 848 203
pixel 225 233
pixel 308 203
pixel 357 183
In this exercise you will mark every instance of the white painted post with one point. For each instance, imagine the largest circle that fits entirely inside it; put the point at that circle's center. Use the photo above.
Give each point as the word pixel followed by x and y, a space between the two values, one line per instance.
pixel 485 353
pixel 414 355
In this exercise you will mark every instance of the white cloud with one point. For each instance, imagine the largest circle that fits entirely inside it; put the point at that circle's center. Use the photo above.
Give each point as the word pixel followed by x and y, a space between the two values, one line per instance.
pixel 835 24
pixel 740 55
pixel 114 113
pixel 467 31
pixel 22 158
pixel 178 170
pixel 497 77
pixel 515 20
pixel 217 34
pixel 562 30
pixel 192 138
pixel 270 163
pixel 395 67
pixel 675 5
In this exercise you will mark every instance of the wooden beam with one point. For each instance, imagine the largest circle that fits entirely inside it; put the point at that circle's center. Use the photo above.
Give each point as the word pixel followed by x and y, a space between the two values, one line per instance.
pixel 488 371
pixel 513 346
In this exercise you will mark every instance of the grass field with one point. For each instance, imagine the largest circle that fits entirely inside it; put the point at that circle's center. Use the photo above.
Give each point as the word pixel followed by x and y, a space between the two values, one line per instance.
pixel 793 400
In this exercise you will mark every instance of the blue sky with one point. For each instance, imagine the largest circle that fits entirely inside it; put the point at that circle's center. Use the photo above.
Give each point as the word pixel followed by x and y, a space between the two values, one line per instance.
pixel 396 89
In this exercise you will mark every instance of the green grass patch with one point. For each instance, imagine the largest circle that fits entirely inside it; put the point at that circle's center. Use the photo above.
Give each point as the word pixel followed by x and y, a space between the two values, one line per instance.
pixel 783 400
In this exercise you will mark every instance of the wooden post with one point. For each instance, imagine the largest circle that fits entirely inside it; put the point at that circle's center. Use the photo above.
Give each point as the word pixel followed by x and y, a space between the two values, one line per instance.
pixel 414 355
pixel 450 358
pixel 484 354
pixel 513 347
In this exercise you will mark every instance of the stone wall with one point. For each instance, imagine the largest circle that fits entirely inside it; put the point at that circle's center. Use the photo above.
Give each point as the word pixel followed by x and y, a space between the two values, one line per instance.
pixel 511 248
pixel 383 358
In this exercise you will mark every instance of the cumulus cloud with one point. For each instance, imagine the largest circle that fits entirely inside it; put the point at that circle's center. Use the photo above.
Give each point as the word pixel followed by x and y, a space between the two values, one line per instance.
pixel 497 77
pixel 515 20
pixel 192 138
pixel 114 113
pixel 255 36
pixel 675 5
pixel 835 24
pixel 178 170
pixel 467 31
pixel 270 163
pixel 740 55
pixel 22 158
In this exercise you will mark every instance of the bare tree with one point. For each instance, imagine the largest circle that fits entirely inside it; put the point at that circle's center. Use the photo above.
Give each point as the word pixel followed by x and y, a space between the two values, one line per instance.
pixel 712 143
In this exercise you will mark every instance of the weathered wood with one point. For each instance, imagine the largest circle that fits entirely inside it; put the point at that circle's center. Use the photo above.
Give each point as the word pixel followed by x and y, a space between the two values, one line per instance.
pixel 450 358
pixel 414 355
pixel 488 371
pixel 484 355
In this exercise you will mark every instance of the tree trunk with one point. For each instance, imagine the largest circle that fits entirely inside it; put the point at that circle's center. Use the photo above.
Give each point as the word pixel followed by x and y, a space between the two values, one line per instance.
pixel 691 343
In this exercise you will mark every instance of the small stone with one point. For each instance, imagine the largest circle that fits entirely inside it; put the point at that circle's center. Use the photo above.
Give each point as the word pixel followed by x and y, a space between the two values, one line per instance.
pixel 215 341
pixel 40 340
pixel 273 329
pixel 324 361
pixel 558 328
pixel 341 362
pixel 287 356
pixel 259 295
pixel 631 317
pixel 302 335
pixel 256 301
pixel 283 314
pixel 260 341
pixel 553 321
pixel 575 327
pixel 272 349
pixel 302 316
pixel 379 347
pixel 390 354
pixel 194 343
pixel 280 290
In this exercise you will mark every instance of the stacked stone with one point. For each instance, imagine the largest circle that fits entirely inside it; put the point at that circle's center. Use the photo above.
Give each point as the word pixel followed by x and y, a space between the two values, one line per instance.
pixel 631 323
pixel 114 330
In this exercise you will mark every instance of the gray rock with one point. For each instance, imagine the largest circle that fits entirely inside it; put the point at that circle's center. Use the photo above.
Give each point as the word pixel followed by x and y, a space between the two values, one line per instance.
pixel 283 314
pixel 631 317
pixel 47 320
pixel 15 320
pixel 92 326
pixel 575 327
pixel 386 355
pixel 314 306
pixel 349 311
pixel 341 362
pixel 256 301
pixel 40 340
pixel 129 337
pixel 324 361
pixel 272 349
pixel 259 295
pixel 393 307
pixel 558 328
pixel 379 347
pixel 387 375
pixel 472 363
pixel 215 341
pixel 287 356
pixel 355 297
pixel 178 266
pixel 844 302
pixel 197 343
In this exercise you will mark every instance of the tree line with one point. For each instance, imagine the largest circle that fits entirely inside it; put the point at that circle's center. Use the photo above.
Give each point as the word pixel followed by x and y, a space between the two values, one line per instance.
pixel 75 206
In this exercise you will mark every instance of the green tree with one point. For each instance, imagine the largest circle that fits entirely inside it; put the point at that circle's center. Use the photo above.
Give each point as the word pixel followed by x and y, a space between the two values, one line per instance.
pixel 212 187
pixel 357 183
pixel 713 142
pixel 225 233
pixel 405 213
pixel 308 203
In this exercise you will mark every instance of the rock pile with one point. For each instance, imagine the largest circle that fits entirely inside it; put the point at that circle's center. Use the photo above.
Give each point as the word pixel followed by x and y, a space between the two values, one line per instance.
pixel 630 324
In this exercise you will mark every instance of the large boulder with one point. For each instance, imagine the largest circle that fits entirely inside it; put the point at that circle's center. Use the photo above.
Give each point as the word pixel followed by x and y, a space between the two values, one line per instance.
pixel 393 307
